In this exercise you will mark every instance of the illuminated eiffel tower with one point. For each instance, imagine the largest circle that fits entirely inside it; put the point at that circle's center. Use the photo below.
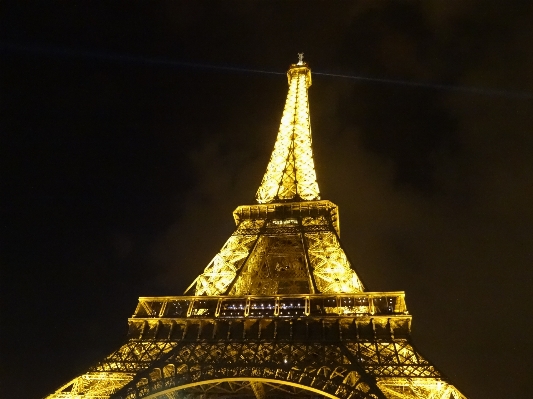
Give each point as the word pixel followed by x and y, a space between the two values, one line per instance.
pixel 279 312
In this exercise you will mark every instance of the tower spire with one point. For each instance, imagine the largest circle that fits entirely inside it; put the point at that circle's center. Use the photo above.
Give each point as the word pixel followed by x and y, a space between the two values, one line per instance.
pixel 290 174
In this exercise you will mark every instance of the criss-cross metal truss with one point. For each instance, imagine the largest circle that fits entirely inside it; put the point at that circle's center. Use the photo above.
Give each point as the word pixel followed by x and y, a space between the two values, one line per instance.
pixel 290 174
pixel 278 313
pixel 284 248
pixel 337 346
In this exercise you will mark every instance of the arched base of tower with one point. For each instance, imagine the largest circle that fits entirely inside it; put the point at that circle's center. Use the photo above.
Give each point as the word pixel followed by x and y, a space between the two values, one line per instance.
pixel 249 388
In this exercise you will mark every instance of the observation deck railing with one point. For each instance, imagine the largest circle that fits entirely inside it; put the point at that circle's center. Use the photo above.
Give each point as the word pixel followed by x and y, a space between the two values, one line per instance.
pixel 275 306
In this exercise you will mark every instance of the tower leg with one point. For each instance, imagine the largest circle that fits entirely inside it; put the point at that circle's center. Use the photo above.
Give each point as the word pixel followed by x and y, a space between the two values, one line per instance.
pixel 259 390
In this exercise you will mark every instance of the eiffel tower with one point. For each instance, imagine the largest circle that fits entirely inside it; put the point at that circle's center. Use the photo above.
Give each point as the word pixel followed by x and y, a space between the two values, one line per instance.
pixel 278 313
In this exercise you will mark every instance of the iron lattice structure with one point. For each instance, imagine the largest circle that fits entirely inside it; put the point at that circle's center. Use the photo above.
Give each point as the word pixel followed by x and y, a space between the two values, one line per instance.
pixel 279 312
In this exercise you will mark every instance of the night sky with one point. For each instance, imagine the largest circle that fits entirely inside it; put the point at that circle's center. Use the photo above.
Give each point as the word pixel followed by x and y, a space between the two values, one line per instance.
pixel 128 140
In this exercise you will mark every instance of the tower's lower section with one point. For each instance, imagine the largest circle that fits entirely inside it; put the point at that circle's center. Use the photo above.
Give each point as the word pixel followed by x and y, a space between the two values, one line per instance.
pixel 346 347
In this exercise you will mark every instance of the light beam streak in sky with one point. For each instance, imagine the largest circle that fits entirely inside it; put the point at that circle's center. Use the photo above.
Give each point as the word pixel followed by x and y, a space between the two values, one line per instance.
pixel 436 86
pixel 124 58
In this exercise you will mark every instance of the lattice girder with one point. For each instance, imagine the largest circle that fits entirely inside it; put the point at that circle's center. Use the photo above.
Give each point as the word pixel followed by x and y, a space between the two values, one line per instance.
pixel 282 249
pixel 324 369
pixel 416 388
pixel 329 356
pixel 351 368
pixel 221 271
pixel 277 265
pixel 330 265
pixel 93 385
pixel 290 174
pixel 114 371
pixel 278 310
pixel 396 358
pixel 134 356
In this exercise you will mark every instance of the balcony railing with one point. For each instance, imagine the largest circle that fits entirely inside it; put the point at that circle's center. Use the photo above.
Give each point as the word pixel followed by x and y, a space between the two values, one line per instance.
pixel 279 306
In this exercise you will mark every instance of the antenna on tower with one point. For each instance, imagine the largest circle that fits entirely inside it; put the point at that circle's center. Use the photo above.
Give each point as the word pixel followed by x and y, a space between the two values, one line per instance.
pixel 300 58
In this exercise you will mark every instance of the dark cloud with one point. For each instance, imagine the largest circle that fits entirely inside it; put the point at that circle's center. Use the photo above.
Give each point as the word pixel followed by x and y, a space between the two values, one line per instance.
pixel 122 175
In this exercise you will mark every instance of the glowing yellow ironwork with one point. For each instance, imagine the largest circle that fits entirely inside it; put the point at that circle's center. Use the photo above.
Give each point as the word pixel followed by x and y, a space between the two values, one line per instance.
pixel 282 256
pixel 259 324
pixel 276 266
pixel 416 388
pixel 115 371
pixel 273 263
pixel 290 173
pixel 96 385
pixel 221 271
pixel 331 268
pixel 330 265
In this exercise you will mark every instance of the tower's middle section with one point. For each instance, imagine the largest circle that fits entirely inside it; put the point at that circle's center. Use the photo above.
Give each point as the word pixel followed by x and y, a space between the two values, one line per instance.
pixel 281 248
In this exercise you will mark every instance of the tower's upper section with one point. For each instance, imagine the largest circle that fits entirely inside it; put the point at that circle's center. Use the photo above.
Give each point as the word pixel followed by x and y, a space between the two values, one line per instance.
pixel 290 174
pixel 289 242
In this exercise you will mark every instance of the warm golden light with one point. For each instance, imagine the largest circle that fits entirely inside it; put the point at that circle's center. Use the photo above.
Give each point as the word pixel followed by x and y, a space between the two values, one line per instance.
pixel 279 311
pixel 290 173
pixel 312 259
pixel 95 385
